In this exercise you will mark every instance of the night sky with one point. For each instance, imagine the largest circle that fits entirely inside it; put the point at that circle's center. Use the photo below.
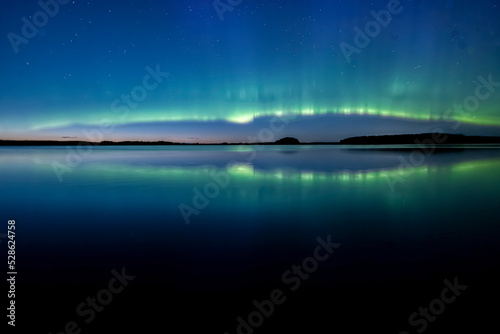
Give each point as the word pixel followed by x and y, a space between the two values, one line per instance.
pixel 191 71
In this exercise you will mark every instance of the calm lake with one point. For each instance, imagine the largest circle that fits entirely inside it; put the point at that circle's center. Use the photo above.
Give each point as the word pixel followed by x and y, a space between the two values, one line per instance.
pixel 208 230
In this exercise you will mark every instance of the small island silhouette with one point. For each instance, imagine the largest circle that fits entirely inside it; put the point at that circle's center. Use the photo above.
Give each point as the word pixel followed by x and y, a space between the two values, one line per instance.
pixel 287 141
pixel 405 139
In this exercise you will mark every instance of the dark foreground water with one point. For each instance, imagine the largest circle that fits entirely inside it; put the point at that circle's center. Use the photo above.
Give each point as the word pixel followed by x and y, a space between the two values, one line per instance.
pixel 218 239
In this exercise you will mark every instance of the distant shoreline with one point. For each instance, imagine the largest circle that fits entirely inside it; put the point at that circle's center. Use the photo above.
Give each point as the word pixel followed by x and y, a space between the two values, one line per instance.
pixel 406 139
pixel 138 143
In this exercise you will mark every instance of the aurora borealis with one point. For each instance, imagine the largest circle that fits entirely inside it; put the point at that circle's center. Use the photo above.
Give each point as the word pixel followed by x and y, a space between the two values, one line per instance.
pixel 222 80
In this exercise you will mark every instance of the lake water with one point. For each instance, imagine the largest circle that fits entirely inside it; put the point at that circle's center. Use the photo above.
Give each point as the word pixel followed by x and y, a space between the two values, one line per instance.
pixel 206 230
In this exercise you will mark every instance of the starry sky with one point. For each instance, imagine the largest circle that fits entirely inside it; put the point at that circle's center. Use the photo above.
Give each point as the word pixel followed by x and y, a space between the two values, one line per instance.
pixel 236 70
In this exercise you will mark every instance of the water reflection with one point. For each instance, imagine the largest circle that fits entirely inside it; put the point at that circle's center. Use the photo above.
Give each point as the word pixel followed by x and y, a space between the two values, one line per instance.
pixel 121 206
